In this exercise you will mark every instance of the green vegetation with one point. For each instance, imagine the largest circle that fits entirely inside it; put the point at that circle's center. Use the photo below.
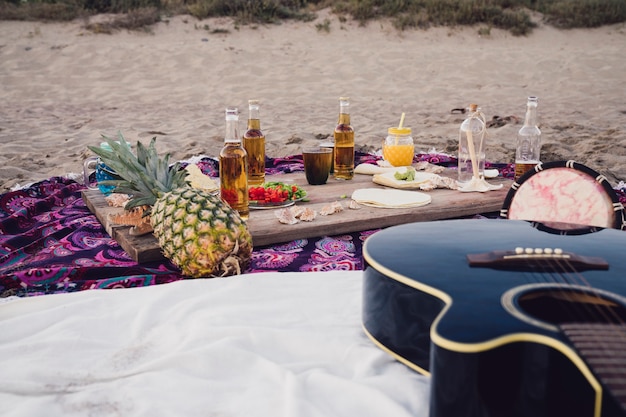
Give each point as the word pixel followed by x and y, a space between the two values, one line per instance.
pixel 253 11
pixel 511 15
pixel 588 13
pixel 325 26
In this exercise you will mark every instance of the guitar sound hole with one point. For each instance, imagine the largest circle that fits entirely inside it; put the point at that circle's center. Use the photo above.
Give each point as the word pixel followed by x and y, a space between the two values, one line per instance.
pixel 559 306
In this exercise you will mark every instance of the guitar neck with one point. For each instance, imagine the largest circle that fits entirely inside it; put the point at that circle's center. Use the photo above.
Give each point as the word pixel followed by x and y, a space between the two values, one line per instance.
pixel 603 348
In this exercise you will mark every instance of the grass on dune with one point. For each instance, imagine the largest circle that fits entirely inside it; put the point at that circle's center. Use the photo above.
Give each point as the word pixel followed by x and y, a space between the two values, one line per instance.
pixel 511 15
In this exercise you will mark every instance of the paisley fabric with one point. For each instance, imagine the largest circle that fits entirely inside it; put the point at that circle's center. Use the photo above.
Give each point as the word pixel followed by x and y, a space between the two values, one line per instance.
pixel 50 242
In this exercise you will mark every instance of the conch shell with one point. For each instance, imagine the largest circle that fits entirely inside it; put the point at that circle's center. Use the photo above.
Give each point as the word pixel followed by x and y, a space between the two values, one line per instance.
pixel 117 199
pixel 354 205
pixel 293 215
pixel 286 216
pixel 307 215
pixel 134 217
pixel 334 207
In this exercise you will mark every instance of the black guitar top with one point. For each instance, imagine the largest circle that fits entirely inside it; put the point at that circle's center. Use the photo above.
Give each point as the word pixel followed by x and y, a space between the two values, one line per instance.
pixel 458 299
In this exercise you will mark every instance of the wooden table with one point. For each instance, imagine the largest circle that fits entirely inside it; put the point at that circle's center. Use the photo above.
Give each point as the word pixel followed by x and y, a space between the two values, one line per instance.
pixel 266 229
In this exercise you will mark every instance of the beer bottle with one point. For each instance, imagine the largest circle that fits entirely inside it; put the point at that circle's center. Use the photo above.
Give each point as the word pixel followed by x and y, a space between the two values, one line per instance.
pixel 344 142
pixel 528 141
pixel 234 166
pixel 254 144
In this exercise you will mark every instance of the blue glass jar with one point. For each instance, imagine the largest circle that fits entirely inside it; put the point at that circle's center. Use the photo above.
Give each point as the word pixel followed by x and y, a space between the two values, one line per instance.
pixel 102 172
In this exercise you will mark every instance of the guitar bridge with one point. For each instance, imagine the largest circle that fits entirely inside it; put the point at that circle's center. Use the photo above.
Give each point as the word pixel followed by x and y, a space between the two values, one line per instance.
pixel 532 259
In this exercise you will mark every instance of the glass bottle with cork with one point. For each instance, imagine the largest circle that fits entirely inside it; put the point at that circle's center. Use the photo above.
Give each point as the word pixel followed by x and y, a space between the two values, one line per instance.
pixel 254 144
pixel 344 142
pixel 234 166
pixel 528 140
pixel 471 156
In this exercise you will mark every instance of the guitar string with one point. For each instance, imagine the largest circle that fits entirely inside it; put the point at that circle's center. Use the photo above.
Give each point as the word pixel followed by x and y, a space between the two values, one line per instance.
pixel 592 341
pixel 596 341
pixel 602 344
pixel 548 273
pixel 605 312
pixel 564 273
pixel 585 320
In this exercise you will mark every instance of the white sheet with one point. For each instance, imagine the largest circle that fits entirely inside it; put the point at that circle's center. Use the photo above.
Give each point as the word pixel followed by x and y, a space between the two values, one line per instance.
pixel 272 344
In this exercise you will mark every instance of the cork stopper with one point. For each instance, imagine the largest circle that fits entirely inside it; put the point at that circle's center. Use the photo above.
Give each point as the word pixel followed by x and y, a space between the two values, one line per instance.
pixel 473 108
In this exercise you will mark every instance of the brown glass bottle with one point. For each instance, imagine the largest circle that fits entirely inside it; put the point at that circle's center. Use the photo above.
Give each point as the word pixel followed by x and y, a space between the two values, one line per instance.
pixel 234 167
pixel 254 144
pixel 344 142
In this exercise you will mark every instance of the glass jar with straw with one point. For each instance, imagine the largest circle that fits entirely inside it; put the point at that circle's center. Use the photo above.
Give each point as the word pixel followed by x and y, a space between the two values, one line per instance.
pixel 398 147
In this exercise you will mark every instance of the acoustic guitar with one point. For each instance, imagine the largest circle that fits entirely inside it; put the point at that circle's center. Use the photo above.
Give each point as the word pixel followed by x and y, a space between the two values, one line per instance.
pixel 508 317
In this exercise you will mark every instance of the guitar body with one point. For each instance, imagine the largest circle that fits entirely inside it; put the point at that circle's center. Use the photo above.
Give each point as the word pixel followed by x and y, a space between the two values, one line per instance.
pixel 492 336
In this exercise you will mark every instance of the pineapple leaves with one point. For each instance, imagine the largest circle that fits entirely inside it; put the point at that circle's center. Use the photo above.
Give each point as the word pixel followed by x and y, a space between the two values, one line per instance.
pixel 145 176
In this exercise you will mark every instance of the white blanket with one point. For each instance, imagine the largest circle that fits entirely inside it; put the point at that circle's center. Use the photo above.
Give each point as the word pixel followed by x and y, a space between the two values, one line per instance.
pixel 272 344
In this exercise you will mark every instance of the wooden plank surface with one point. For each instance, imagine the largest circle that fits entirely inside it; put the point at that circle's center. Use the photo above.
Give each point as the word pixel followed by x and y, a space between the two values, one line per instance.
pixel 140 248
pixel 266 229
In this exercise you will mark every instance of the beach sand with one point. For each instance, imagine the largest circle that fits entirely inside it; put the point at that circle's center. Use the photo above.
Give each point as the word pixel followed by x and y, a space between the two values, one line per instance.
pixel 62 86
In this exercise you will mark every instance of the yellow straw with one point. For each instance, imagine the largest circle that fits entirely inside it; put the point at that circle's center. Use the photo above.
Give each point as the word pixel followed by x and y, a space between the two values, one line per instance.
pixel 400 125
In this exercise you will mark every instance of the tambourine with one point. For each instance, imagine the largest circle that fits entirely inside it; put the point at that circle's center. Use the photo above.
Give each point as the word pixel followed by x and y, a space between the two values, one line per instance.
pixel 564 195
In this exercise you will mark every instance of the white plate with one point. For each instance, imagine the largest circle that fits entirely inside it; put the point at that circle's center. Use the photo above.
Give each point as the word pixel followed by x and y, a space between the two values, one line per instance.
pixel 267 206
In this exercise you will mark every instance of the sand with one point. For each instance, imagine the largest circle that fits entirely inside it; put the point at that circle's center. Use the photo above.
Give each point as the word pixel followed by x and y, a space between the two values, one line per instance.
pixel 62 87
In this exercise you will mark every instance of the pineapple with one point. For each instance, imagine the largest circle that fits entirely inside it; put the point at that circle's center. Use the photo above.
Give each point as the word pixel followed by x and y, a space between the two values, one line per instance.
pixel 196 229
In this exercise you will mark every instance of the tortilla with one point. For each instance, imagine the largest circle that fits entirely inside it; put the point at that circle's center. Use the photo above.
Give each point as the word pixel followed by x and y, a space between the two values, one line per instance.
pixel 388 179
pixel 387 198
pixel 371 169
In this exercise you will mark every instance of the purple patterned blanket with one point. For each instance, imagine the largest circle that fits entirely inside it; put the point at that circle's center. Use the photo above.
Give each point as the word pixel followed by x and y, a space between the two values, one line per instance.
pixel 50 242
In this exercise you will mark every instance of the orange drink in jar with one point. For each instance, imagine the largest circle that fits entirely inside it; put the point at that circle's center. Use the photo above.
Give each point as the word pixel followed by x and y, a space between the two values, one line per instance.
pixel 398 148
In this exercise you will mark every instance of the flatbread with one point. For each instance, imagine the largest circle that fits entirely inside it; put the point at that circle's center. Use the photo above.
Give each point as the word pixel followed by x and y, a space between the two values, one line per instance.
pixel 371 169
pixel 389 198
pixel 388 179
pixel 200 181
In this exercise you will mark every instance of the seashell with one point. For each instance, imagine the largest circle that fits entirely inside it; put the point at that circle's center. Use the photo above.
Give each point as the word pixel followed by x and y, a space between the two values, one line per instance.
pixel 133 217
pixel 336 205
pixel 354 205
pixel 428 185
pixel 140 229
pixel 286 216
pixel 117 199
pixel 332 208
pixel 428 167
pixel 326 210
pixel 446 182
pixel 308 215
pixel 296 211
